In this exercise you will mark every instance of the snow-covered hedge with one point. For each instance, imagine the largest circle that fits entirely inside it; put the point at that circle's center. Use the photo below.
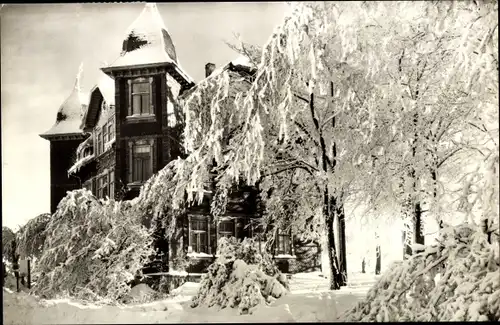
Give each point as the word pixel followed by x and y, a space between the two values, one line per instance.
pixel 456 280
pixel 92 248
pixel 240 277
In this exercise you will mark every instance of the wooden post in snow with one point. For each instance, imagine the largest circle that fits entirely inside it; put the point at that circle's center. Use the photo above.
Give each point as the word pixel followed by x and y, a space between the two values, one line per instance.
pixel 29 273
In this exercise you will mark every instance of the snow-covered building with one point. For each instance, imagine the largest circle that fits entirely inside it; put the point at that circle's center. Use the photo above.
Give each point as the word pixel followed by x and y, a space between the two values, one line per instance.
pixel 130 129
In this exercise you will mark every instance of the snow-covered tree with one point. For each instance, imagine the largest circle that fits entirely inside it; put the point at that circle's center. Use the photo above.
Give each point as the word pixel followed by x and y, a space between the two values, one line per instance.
pixel 240 277
pixel 309 115
pixel 454 280
pixel 93 248
pixel 8 239
pixel 436 63
pixel 31 237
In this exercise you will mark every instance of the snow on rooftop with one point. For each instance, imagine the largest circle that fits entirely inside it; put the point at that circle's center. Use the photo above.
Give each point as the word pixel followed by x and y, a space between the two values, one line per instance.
pixel 144 55
pixel 243 61
pixel 240 61
pixel 106 85
pixel 87 143
pixel 80 163
pixel 147 41
pixel 69 115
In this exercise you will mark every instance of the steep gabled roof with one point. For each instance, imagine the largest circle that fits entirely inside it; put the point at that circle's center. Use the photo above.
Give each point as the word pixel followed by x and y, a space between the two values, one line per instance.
pixel 148 42
pixel 103 90
pixel 106 86
pixel 68 117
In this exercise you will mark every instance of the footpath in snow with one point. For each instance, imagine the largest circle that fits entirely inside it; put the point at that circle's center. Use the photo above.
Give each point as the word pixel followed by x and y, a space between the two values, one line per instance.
pixel 309 300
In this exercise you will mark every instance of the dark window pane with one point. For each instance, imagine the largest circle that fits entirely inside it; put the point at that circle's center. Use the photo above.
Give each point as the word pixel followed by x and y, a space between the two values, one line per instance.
pixel 141 87
pixel 145 169
pixel 226 226
pixel 203 243
pixel 145 104
pixel 136 104
pixel 199 225
pixel 137 169
pixel 199 242
pixel 194 240
pixel 284 244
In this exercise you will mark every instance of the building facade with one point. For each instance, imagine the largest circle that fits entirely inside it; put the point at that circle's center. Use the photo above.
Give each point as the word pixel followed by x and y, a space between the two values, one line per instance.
pixel 131 127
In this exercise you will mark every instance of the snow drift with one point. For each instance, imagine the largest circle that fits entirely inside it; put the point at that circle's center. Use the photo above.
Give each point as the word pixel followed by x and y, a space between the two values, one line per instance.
pixel 240 277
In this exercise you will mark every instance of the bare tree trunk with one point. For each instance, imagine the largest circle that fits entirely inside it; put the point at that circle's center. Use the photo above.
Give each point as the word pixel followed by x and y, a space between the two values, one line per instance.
pixel 342 244
pixel 413 204
pixel 378 263
pixel 419 227
pixel 408 228
pixel 328 211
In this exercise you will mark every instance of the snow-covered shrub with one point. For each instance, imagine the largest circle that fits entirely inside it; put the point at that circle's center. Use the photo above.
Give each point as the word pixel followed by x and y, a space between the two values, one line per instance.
pixel 240 277
pixel 455 280
pixel 142 293
pixel 93 248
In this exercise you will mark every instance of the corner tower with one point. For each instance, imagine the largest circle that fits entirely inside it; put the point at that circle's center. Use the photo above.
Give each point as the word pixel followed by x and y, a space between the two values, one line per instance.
pixel 64 136
pixel 148 79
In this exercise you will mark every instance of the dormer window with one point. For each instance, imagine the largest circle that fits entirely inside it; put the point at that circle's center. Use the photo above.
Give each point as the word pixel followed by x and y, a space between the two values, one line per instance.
pixel 140 97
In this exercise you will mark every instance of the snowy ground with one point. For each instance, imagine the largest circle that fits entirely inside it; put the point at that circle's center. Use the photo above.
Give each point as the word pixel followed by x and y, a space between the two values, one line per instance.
pixel 308 300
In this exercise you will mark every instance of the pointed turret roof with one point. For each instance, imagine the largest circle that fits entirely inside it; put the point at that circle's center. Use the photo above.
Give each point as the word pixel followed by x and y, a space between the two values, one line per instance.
pixel 147 42
pixel 68 117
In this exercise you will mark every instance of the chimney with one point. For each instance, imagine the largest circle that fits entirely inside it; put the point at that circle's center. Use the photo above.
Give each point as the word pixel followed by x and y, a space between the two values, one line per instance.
pixel 209 68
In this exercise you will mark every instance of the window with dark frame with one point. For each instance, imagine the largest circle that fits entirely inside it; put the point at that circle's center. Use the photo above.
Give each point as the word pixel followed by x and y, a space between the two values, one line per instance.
pixel 111 129
pixel 256 232
pixel 105 133
pixel 102 143
pixel 140 97
pixel 199 236
pixel 141 163
pixel 105 186
pixel 98 139
pixel 226 228
pixel 102 186
pixel 283 243
pixel 99 187
pixel 112 184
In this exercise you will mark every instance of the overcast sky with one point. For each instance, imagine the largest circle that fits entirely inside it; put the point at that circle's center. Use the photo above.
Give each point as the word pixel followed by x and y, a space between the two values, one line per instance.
pixel 42 47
